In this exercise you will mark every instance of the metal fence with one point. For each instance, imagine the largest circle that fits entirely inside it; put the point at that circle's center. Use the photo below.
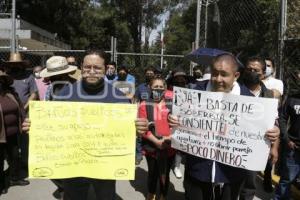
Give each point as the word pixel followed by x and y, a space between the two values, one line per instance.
pixel 241 26
pixel 251 27
pixel 135 62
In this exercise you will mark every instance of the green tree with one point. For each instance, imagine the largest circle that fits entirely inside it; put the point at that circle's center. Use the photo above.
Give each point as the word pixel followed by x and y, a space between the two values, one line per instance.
pixel 293 19
pixel 61 17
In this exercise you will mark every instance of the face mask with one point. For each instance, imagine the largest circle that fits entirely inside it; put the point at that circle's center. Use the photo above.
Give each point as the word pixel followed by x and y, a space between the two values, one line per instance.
pixel 15 71
pixel 179 84
pixel 157 94
pixel 251 78
pixel 37 75
pixel 122 77
pixel 269 71
pixel 197 75
pixel 148 78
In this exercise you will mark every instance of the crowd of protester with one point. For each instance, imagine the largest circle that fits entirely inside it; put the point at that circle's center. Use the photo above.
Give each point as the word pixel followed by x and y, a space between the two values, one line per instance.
pixel 19 85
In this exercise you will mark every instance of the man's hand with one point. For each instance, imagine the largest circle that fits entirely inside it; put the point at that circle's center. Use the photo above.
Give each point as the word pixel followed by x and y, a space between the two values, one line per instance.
pixel 160 144
pixel 26 125
pixel 292 145
pixel 273 134
pixel 173 120
pixel 274 155
pixel 141 125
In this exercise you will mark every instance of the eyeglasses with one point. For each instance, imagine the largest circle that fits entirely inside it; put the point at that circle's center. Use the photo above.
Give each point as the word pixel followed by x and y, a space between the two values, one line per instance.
pixel 96 68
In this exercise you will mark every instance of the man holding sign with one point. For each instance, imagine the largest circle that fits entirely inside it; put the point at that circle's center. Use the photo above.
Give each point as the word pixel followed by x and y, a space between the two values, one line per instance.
pixel 203 174
pixel 94 142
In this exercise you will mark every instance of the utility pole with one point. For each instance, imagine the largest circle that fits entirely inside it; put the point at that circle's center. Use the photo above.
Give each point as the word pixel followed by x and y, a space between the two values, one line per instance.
pixel 198 21
pixel 13 27
pixel 282 37
pixel 162 45
pixel 197 39
pixel 206 23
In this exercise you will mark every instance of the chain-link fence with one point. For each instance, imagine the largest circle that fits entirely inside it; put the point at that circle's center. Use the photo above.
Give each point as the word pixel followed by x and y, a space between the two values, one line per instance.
pixel 135 62
pixel 292 66
pixel 291 58
pixel 251 27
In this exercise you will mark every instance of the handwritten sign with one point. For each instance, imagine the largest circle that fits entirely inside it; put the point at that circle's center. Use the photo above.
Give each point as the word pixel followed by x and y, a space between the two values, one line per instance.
pixel 72 139
pixel 222 127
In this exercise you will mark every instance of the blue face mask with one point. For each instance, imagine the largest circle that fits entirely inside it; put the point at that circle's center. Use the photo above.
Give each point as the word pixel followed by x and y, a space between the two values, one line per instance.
pixel 157 94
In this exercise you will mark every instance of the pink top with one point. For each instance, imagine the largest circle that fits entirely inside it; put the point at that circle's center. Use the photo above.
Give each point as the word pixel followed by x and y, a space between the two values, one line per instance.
pixel 42 86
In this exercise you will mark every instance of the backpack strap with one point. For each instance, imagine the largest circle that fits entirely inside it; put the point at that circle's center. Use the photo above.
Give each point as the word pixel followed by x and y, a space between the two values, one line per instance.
pixel 150 115
pixel 169 103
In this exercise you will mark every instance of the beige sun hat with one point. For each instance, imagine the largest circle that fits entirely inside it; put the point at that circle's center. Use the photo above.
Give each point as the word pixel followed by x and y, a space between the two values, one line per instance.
pixel 57 65
pixel 76 75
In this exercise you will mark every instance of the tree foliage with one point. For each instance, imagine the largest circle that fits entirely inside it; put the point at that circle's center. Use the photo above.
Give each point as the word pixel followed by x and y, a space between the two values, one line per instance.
pixel 247 27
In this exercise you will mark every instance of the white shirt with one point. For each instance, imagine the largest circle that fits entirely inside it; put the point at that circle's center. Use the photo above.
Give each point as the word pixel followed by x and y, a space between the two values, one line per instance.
pixel 236 90
pixel 273 83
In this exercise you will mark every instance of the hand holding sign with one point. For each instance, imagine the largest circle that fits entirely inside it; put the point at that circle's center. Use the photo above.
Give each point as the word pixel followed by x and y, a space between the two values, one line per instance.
pixel 273 134
pixel 226 128
pixel 173 120
pixel 66 137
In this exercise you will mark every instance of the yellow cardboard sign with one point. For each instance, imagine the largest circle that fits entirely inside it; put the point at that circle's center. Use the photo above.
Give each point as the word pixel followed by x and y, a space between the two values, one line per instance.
pixel 73 139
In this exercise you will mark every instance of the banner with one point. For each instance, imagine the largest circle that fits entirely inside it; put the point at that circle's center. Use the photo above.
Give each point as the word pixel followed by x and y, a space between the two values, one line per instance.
pixel 73 139
pixel 226 128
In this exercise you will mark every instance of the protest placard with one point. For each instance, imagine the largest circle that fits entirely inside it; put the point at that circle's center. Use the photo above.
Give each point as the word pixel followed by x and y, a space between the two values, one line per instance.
pixel 226 128
pixel 73 139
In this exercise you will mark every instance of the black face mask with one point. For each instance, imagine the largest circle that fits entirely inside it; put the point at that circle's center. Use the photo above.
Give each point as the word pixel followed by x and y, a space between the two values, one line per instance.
pixel 251 78
pixel 179 84
pixel 148 78
pixel 122 77
pixel 197 75
pixel 110 77
pixel 157 94
pixel 15 71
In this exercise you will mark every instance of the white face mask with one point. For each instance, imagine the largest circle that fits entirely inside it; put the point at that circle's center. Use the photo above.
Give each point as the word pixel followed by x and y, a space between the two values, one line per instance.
pixel 269 71
pixel 37 75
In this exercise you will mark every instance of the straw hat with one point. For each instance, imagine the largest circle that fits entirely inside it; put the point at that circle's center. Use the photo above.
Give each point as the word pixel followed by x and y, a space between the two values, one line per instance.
pixel 16 59
pixel 57 65
pixel 7 79
pixel 76 74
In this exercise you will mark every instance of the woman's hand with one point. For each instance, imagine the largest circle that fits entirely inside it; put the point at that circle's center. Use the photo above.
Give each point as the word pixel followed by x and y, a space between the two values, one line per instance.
pixel 141 125
pixel 26 125
pixel 173 120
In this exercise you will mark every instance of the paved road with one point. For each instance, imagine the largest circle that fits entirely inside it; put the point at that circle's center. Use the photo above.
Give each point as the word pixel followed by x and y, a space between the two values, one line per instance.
pixel 126 190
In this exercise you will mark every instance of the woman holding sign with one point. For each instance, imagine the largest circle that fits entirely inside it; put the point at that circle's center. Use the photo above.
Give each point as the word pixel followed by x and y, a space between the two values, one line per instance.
pixel 157 141
pixel 10 118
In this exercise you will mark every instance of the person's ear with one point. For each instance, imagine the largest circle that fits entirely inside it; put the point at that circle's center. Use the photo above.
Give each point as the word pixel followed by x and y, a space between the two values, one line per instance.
pixel 236 76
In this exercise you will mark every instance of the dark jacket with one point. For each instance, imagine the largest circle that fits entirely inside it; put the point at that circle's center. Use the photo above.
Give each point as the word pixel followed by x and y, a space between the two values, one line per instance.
pixel 290 113
pixel 265 92
pixel 21 111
